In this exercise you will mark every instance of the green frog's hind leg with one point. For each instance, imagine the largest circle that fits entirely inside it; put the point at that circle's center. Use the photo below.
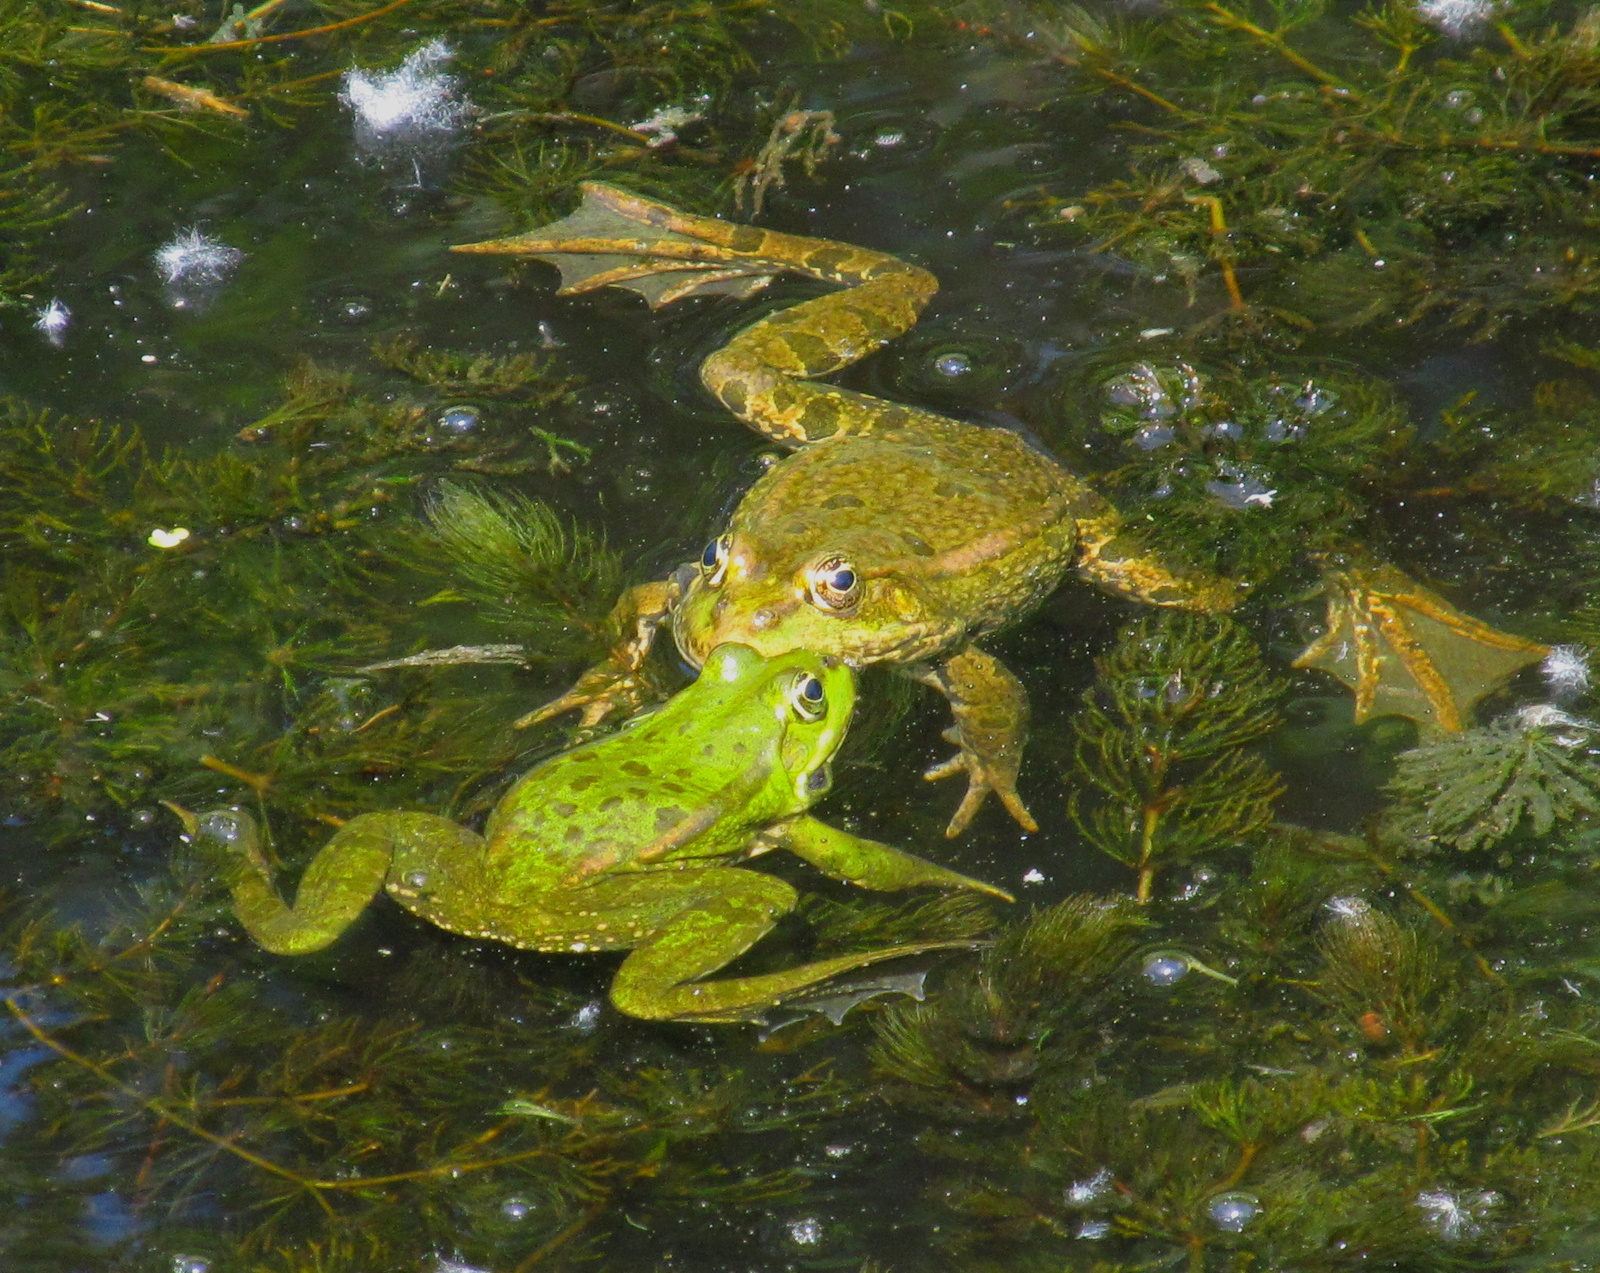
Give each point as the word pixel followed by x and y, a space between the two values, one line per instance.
pixel 618 239
pixel 684 926
pixel 1405 650
pixel 341 880
pixel 991 729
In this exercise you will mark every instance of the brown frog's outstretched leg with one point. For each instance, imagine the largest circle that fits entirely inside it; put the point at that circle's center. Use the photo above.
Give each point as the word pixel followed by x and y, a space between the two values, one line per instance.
pixel 684 925
pixel 1405 650
pixel 1115 560
pixel 618 682
pixel 619 239
pixel 991 714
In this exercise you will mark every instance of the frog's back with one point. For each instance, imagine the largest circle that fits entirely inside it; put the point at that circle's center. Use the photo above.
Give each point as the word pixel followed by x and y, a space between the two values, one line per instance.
pixel 958 506
pixel 661 790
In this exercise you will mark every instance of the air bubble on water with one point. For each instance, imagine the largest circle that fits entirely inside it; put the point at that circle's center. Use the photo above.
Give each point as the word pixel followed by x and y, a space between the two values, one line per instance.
pixel 1141 387
pixel 1093 1230
pixel 190 1264
pixel 952 365
pixel 837 1152
pixel 1165 969
pixel 193 258
pixel 1083 1192
pixel 1198 170
pixel 1314 401
pixel 805 1232
pixel 586 1018
pixel 222 825
pixel 1459 19
pixel 143 817
pixel 459 420
pixel 410 109
pixel 1566 671
pixel 1347 909
pixel 1229 430
pixel 52 322
pixel 416 879
pixel 1237 488
pixel 1153 436
pixel 1457 98
pixel 515 1208
pixel 1456 1215
pixel 1231 1212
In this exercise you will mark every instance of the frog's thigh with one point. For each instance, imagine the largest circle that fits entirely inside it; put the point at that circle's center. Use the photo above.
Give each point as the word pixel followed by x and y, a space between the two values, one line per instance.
pixel 347 871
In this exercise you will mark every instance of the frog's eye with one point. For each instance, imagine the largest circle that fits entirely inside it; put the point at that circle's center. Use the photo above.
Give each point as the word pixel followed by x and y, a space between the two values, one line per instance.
pixel 714 561
pixel 808 698
pixel 832 584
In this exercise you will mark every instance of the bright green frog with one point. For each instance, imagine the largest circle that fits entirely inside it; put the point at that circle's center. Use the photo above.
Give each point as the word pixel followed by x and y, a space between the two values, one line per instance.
pixel 624 844
pixel 896 535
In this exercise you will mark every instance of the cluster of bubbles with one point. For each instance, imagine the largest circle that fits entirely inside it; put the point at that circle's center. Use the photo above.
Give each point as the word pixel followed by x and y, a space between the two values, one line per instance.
pixel 1157 407
pixel 1457 1215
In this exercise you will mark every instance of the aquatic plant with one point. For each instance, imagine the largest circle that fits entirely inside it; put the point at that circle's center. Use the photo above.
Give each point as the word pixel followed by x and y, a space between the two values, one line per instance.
pixel 1161 767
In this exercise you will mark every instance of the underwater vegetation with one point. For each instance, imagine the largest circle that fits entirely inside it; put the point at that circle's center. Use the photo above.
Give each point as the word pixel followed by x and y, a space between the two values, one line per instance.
pixel 1280 991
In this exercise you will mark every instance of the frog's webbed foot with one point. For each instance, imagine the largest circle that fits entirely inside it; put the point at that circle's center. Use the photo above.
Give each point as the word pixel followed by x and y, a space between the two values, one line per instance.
pixel 600 692
pixel 1405 650
pixel 620 682
pixel 616 239
pixel 991 728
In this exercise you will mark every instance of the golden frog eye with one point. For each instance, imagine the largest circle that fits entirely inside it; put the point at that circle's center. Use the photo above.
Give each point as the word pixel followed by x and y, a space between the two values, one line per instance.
pixel 807 698
pixel 714 561
pixel 832 584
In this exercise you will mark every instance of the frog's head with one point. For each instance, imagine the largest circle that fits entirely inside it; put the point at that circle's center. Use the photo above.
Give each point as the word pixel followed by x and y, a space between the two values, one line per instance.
pixel 809 696
pixel 818 600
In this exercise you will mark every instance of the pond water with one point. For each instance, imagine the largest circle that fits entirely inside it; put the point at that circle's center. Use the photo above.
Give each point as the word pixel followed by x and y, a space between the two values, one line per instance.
pixel 1292 980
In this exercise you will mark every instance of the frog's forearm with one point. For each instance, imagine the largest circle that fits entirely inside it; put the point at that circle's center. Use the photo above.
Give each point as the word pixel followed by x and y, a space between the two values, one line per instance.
pixel 867 863
pixel 1116 560
pixel 617 682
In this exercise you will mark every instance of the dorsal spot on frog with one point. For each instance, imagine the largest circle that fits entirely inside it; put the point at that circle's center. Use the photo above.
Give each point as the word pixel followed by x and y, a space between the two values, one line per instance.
pixel 564 808
pixel 710 749
pixel 668 817
pixel 609 803
pixel 740 749
pixel 845 500
pixel 635 767
pixel 583 782
pixel 951 489
pixel 673 788
pixel 573 833
pixel 638 793
pixel 917 544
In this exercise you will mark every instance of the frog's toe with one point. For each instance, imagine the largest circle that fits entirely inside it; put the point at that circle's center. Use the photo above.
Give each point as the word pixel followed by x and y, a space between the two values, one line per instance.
pixel 597 695
pixel 981 780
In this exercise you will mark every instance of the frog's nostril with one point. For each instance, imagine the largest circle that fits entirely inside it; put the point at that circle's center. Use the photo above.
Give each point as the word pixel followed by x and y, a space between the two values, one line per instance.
pixel 761 620
pixel 720 608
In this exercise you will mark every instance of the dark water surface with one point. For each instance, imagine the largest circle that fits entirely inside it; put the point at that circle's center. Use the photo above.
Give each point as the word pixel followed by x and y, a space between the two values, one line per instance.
pixel 1351 1026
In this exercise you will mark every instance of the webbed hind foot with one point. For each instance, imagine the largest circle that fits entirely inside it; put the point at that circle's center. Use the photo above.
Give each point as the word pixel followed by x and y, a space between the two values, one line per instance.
pixel 1405 650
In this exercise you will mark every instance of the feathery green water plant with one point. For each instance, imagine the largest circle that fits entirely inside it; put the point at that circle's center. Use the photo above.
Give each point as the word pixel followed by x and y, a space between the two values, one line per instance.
pixel 1162 770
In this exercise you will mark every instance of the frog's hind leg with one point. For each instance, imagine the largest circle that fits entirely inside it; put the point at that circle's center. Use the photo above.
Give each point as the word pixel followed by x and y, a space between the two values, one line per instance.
pixel 618 239
pixel 342 879
pixel 1407 651
pixel 684 926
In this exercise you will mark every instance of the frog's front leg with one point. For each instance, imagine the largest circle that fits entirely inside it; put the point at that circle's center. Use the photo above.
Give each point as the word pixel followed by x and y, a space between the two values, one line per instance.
pixel 406 849
pixel 991 727
pixel 1108 555
pixel 867 863
pixel 684 925
pixel 618 682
